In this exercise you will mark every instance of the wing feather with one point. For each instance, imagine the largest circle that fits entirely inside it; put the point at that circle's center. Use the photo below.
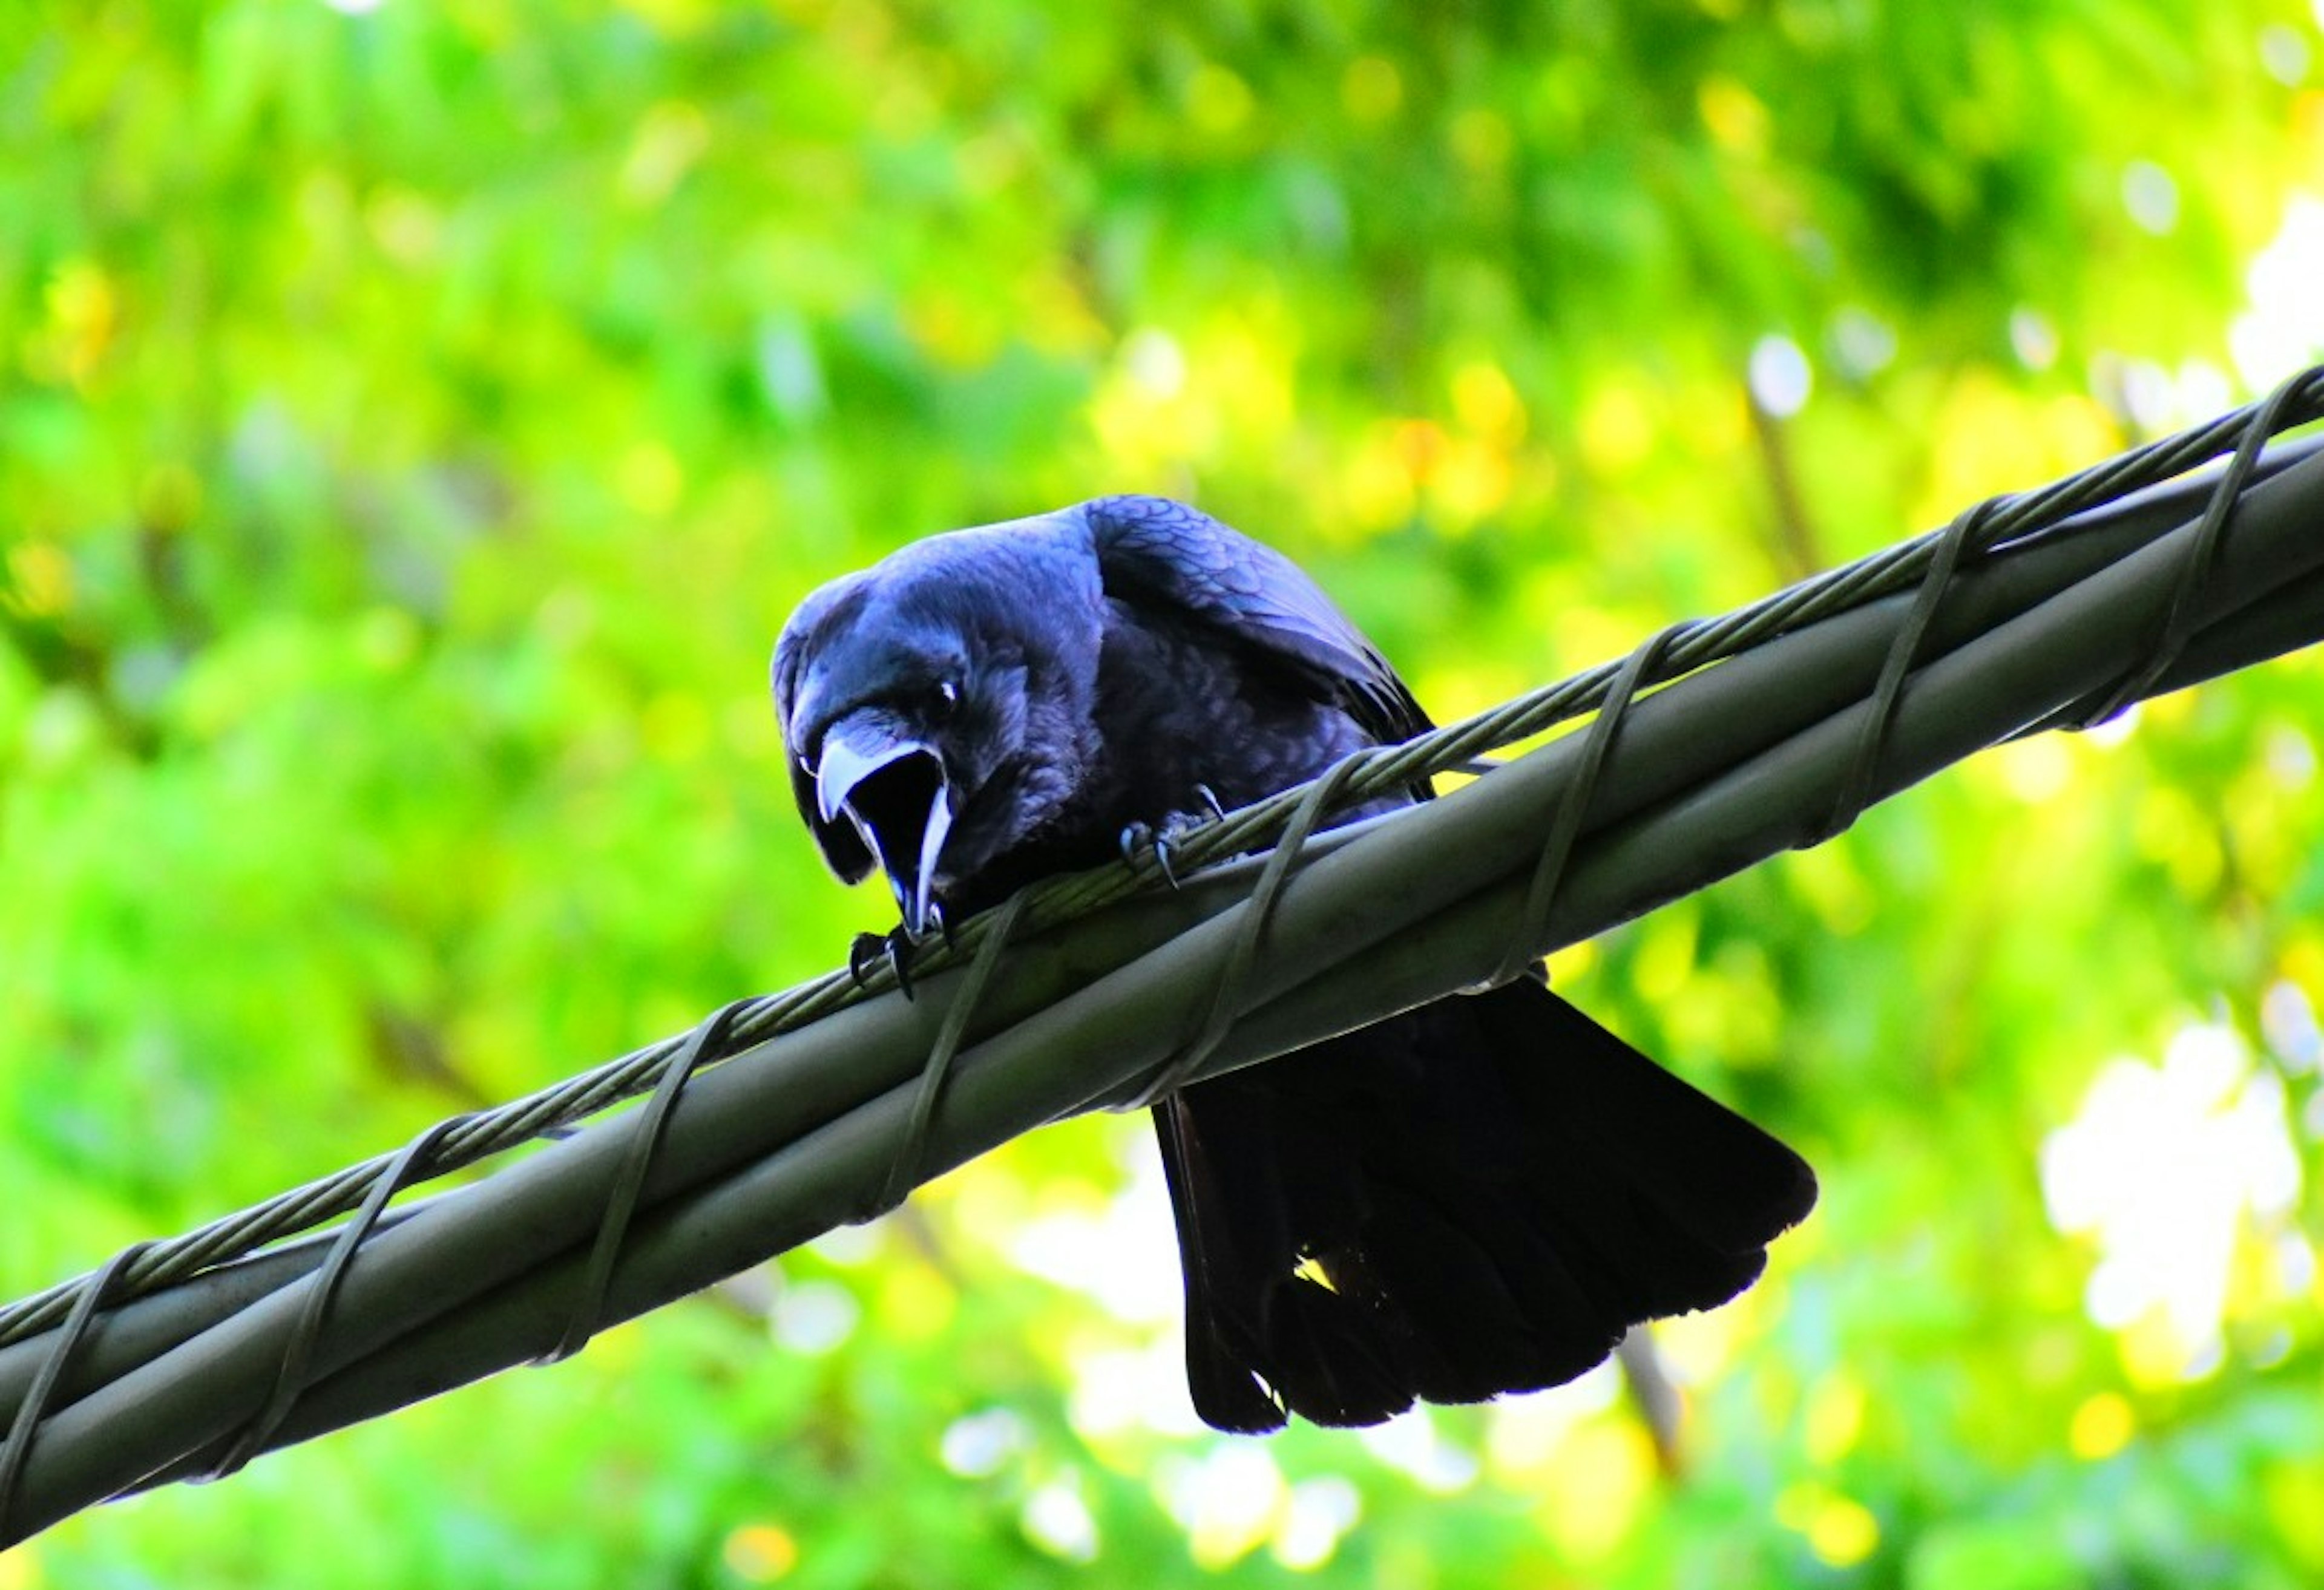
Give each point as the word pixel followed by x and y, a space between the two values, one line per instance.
pixel 1152 551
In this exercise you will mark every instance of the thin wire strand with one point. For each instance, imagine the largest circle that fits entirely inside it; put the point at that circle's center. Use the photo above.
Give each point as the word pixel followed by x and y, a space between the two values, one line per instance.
pixel 1541 890
pixel 707 1040
pixel 1242 953
pixel 2202 555
pixel 1888 690
pixel 290 1376
pixel 911 1154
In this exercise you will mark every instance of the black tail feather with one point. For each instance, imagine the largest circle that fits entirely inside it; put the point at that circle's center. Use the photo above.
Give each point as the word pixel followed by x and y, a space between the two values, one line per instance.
pixel 1478 1197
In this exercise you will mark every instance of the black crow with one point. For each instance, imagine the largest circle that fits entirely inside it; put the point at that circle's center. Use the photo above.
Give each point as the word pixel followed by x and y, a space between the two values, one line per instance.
pixel 1478 1196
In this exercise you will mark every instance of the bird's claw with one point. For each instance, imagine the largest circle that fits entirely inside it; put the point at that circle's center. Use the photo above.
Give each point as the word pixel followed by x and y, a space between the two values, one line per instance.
pixel 1138 835
pixel 894 946
pixel 861 950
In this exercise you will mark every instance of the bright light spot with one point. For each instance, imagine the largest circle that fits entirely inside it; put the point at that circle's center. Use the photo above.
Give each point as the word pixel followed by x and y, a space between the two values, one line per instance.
pixel 917 1303
pixel 2284 328
pixel 1736 118
pixel 2288 1021
pixel 1409 1442
pixel 2291 757
pixel 1862 345
pixel 2035 770
pixel 1780 379
pixel 850 1245
pixel 1843 1532
pixel 1840 1530
pixel 2295 1263
pixel 1116 1390
pixel 1154 359
pixel 2141 388
pixel 2032 338
pixel 2151 196
pixel 1525 1433
pixel 978 1444
pixel 789 373
pixel 761 1553
pixel 1228 1502
pixel 1834 1417
pixel 1593 1493
pixel 2163 1164
pixel 1486 403
pixel 2102 1425
pixel 353 7
pixel 1056 1519
pixel 2116 730
pixel 1321 1511
pixel 1116 1255
pixel 2283 54
pixel 2203 390
pixel 813 1318
pixel 1618 428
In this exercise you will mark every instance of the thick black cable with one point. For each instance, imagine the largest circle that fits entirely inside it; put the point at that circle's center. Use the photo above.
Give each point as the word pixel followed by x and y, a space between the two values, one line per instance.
pixel 492 1131
pixel 18 1447
pixel 121 1407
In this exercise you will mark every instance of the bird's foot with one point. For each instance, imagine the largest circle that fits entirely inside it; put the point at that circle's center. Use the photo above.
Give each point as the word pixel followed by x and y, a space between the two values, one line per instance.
pixel 895 946
pixel 1137 836
pixel 1174 826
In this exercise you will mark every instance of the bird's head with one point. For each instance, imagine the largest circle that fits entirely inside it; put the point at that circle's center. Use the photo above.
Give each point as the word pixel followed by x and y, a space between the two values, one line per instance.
pixel 891 754
pixel 912 701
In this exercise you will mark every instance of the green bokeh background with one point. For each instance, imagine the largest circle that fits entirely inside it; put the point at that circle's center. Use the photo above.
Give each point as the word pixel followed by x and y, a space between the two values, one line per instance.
pixel 416 421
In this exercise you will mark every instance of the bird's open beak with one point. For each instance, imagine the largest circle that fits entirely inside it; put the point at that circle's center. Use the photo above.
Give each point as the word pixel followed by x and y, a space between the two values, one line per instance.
pixel 894 790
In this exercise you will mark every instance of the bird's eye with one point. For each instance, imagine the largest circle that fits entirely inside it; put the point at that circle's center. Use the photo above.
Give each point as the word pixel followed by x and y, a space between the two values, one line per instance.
pixel 948 695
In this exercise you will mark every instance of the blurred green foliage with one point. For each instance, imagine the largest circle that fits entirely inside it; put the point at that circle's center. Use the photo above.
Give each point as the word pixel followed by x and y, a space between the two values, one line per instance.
pixel 416 418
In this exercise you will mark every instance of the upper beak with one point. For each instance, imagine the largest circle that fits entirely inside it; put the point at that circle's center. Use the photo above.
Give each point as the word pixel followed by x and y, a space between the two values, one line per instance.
pixel 895 790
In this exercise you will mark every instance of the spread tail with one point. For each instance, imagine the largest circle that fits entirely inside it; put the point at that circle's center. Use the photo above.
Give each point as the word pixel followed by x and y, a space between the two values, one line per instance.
pixel 1477 1197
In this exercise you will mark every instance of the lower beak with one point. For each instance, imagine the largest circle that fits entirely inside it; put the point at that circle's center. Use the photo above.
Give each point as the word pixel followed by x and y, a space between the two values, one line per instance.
pixel 895 792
